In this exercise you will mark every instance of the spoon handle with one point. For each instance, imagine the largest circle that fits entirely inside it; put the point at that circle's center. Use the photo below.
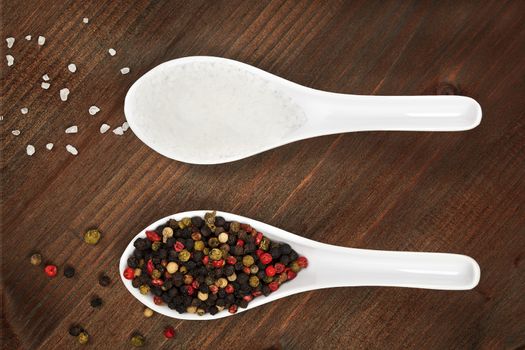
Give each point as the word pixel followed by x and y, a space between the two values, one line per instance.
pixel 361 267
pixel 336 113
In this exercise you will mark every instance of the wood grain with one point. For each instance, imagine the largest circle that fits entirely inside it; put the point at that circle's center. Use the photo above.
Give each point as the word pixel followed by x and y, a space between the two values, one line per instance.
pixel 458 192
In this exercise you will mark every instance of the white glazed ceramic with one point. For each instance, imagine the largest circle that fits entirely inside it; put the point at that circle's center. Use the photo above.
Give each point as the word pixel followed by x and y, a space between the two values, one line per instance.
pixel 326 113
pixel 333 266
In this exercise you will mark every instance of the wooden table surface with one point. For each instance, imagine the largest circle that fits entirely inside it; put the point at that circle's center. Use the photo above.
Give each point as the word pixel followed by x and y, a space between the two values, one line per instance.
pixel 460 192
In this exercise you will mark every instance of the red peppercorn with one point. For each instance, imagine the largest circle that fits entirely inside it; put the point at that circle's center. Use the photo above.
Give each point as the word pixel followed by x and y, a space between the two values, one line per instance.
pixel 169 332
pixel 218 263
pixel 153 236
pixel 290 275
pixel 258 238
pixel 256 293
pixel 129 273
pixel 157 282
pixel 259 252
pixel 232 309
pixel 214 289
pixel 266 258
pixel 246 270
pixel 229 289
pixel 231 260
pixel 51 270
pixel 157 300
pixel 205 260
pixel 248 298
pixel 279 268
pixel 178 246
pixel 167 275
pixel 240 243
pixel 150 267
pixel 246 227
pixel 302 262
pixel 270 271
pixel 190 290
pixel 195 284
pixel 273 286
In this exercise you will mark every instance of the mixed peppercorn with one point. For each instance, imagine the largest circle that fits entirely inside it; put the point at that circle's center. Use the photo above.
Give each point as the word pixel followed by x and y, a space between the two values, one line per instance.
pixel 205 265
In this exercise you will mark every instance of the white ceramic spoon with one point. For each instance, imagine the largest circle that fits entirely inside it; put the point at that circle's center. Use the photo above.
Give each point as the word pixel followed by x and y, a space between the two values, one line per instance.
pixel 210 110
pixel 333 266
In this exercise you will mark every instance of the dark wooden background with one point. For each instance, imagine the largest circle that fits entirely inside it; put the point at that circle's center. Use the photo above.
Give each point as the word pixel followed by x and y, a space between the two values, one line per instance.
pixel 461 192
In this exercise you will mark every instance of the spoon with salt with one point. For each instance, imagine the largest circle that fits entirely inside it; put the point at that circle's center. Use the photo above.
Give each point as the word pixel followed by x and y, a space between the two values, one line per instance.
pixel 211 110
pixel 333 266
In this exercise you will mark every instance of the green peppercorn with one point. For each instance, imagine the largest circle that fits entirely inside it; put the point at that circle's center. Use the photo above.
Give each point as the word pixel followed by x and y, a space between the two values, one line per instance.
pixel 265 244
pixel 213 242
pixel 254 281
pixel 201 312
pixel 188 279
pixel 148 312
pixel 221 282
pixel 268 279
pixel 181 225
pixel 137 272
pixel 191 309
pixel 184 255
pixel 92 236
pixel 83 338
pixel 186 221
pixel 206 251
pixel 167 232
pixel 198 246
pixel 183 269
pixel 36 259
pixel 223 237
pixel 216 254
pixel 209 281
pixel 155 246
pixel 196 236
pixel 144 289
pixel 235 226
pixel 295 267
pixel 232 277
pixel 247 260
pixel 155 274
pixel 137 340
pixel 202 296
pixel 282 278
pixel 254 269
pixel 172 267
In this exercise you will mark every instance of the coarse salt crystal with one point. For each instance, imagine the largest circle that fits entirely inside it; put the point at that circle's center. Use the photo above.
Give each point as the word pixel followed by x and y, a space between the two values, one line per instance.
pixel 124 70
pixel 72 67
pixel 85 20
pixel 112 52
pixel 125 126
pixel 10 60
pixel 41 40
pixel 49 146
pixel 45 77
pixel 45 85
pixel 15 132
pixel 28 37
pixel 72 150
pixel 64 93
pixel 30 149
pixel 72 129
pixel 10 42
pixel 24 110
pixel 118 131
pixel 104 128
pixel 93 110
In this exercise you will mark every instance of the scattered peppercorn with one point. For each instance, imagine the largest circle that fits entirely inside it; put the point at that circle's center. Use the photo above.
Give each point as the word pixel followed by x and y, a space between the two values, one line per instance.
pixel 137 340
pixel 169 332
pixel 148 312
pixel 96 302
pixel 36 259
pixel 209 265
pixel 83 338
pixel 92 236
pixel 69 272
pixel 51 270
pixel 104 280
pixel 75 330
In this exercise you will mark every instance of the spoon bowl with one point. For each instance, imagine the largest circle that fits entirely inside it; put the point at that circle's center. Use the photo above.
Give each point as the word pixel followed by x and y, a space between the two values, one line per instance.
pixel 333 266
pixel 211 110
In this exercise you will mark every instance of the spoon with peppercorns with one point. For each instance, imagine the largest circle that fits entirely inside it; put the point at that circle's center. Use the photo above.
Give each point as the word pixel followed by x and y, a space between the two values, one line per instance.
pixel 211 110
pixel 202 265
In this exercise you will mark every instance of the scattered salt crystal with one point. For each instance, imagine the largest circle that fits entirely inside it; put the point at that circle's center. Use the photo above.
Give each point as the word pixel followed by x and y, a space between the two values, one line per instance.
pixel 72 67
pixel 64 93
pixel 45 85
pixel 93 110
pixel 125 126
pixel 30 149
pixel 10 60
pixel 41 40
pixel 85 20
pixel 49 146
pixel 10 42
pixel 124 70
pixel 118 131
pixel 45 77
pixel 112 52
pixel 15 132
pixel 28 37
pixel 72 150
pixel 104 128
pixel 24 110
pixel 72 129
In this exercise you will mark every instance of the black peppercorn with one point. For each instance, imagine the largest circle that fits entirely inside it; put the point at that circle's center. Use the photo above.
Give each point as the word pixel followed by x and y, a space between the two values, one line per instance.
pixel 229 270
pixel 69 272
pixel 96 302
pixel 133 262
pixel 213 310
pixel 104 280
pixel 293 255
pixel 219 221
pixel 142 243
pixel 285 259
pixel 204 288
pixel 197 221
pixel 285 248
pixel 221 293
pixel 275 252
pixel 139 254
pixel 75 330
pixel 243 303
pixel 249 248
